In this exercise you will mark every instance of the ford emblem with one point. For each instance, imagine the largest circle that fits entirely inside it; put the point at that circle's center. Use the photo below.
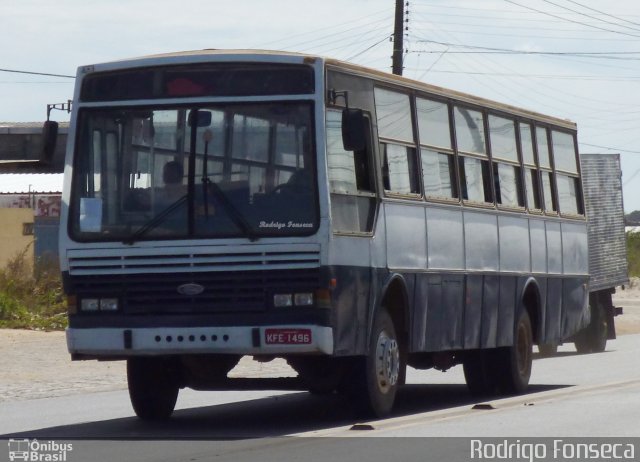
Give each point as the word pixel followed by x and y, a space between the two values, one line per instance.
pixel 190 289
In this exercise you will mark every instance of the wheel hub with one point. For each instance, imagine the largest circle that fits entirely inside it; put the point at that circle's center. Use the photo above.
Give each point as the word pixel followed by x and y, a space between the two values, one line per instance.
pixel 387 362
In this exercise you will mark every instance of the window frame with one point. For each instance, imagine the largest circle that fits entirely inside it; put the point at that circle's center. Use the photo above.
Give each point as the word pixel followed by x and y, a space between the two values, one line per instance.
pixel 449 151
pixel 530 167
pixel 485 160
pixel 575 176
pixel 415 167
pixel 372 195
pixel 548 171
pixel 516 164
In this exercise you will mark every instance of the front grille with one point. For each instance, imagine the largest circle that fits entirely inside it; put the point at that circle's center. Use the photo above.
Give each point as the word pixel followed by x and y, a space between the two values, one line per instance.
pixel 192 259
pixel 232 291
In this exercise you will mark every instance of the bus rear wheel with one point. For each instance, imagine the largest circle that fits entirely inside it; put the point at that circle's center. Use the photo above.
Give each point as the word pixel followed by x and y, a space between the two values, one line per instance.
pixel 153 387
pixel 515 362
pixel 593 338
pixel 479 372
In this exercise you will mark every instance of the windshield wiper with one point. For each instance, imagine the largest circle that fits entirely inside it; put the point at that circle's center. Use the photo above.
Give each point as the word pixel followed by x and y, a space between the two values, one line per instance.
pixel 235 215
pixel 155 221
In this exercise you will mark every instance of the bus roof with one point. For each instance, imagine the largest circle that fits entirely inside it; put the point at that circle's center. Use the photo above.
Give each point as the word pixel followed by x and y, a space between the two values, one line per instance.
pixel 185 57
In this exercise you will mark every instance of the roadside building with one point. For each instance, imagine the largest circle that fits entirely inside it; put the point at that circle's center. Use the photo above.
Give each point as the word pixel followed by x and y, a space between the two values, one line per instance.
pixel 30 191
pixel 29 215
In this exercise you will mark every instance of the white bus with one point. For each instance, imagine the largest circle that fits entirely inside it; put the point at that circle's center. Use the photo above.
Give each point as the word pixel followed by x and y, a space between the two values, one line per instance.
pixel 227 203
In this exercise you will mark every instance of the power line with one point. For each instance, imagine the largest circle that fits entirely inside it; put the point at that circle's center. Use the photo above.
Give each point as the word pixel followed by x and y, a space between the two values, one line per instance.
pixel 590 16
pixel 38 73
pixel 490 50
pixel 610 148
pixel 385 39
pixel 571 20
pixel 535 76
pixel 602 12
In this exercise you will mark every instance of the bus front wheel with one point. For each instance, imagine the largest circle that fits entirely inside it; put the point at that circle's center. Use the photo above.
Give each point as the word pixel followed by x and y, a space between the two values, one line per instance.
pixel 378 374
pixel 153 387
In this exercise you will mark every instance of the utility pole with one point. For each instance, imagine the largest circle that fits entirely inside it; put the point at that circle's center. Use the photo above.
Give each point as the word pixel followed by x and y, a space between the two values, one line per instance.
pixel 398 34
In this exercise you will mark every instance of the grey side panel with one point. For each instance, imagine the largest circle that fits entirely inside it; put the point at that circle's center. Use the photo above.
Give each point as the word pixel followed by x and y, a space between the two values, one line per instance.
pixel 515 253
pixel 602 185
pixel 554 247
pixel 473 311
pixel 575 299
pixel 481 241
pixel 445 319
pixel 542 291
pixel 349 251
pixel 507 308
pixel 574 248
pixel 406 236
pixel 445 239
pixel 420 314
pixel 491 302
pixel 553 312
pixel 538 239
pixel 353 293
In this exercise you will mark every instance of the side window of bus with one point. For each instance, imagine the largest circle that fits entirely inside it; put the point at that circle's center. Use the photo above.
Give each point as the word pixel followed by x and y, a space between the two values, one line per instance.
pixel 350 181
pixel 506 166
pixel 475 177
pixel 567 177
pixel 397 144
pixel 546 172
pixel 531 178
pixel 436 153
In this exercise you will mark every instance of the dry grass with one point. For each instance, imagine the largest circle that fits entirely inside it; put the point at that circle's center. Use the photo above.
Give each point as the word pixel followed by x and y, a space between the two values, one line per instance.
pixel 31 297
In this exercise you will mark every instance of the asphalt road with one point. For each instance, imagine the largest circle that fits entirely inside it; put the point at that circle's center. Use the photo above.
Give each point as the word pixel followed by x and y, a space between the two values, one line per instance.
pixel 571 395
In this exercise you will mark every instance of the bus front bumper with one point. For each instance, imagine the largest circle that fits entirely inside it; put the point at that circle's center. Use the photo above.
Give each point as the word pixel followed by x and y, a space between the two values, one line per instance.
pixel 88 343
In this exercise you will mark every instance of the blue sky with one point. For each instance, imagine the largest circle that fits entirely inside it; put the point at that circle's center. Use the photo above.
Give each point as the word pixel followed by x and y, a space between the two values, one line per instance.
pixel 578 60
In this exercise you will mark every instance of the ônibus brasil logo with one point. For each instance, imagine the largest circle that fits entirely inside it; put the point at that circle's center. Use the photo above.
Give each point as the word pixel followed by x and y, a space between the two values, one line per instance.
pixel 38 451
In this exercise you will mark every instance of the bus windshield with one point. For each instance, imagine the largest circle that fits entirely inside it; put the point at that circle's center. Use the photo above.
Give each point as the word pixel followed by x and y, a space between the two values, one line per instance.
pixel 240 170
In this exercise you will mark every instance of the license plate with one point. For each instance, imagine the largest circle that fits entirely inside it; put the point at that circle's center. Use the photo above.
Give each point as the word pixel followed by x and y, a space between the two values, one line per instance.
pixel 287 336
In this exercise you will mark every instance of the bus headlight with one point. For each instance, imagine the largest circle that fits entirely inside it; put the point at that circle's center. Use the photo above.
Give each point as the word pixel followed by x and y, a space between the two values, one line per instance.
pixel 282 300
pixel 108 304
pixel 99 304
pixel 90 304
pixel 297 299
pixel 303 299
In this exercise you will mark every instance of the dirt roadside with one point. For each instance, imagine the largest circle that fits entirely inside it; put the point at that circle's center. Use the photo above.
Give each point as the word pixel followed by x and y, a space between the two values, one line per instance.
pixel 37 364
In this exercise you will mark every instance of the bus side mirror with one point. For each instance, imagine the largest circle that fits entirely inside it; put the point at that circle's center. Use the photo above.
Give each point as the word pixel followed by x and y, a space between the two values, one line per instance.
pixel 200 118
pixel 353 129
pixel 49 139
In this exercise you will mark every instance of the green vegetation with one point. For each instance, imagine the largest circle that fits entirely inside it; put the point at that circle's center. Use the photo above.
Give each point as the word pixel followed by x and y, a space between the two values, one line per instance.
pixel 31 298
pixel 633 253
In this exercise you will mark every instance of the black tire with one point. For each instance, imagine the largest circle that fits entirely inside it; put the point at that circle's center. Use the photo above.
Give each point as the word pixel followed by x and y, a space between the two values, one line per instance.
pixel 321 375
pixel 548 350
pixel 593 339
pixel 153 387
pixel 479 373
pixel 375 378
pixel 515 362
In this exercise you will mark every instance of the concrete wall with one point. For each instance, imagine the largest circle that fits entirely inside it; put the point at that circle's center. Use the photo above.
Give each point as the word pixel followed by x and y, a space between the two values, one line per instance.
pixel 12 240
